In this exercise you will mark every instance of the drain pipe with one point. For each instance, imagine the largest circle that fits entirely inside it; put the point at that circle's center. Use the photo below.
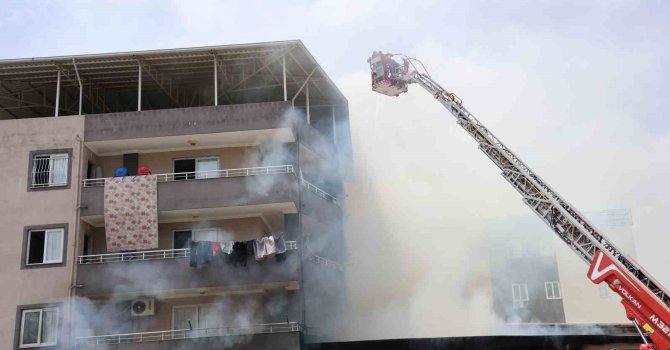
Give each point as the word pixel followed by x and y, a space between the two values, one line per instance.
pixel 75 244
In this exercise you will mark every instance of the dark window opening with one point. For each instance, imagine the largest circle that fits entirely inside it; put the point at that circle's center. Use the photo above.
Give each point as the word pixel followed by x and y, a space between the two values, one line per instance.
pixel 182 239
pixel 36 247
pixel 184 169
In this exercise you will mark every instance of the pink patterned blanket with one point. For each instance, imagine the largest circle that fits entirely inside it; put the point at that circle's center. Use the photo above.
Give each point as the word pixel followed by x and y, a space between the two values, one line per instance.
pixel 131 213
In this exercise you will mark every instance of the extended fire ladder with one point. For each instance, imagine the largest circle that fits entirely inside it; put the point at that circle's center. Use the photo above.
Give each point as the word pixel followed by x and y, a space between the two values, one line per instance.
pixel 646 302
pixel 570 225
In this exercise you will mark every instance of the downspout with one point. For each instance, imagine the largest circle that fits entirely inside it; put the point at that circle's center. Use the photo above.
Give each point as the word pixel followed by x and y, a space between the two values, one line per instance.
pixel 75 244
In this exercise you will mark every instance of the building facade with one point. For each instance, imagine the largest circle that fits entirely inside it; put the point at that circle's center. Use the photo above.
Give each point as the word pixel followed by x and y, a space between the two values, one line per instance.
pixel 130 168
pixel 535 278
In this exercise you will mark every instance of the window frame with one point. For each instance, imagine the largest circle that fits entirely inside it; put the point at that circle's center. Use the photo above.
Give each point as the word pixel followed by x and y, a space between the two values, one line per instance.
pixel 21 310
pixel 194 230
pixel 197 311
pixel 26 244
pixel 555 289
pixel 49 152
pixel 604 291
pixel 195 160
pixel 519 303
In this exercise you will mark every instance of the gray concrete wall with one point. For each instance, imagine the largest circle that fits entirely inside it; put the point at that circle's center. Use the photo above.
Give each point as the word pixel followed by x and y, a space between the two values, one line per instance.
pixel 20 208
pixel 185 121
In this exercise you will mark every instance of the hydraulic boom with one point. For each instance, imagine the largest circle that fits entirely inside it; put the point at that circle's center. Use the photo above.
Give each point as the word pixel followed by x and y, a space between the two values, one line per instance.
pixel 647 302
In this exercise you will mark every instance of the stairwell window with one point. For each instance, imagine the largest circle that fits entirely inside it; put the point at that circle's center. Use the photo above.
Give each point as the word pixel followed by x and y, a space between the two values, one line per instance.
pixel 39 327
pixel 519 295
pixel 552 290
pixel 45 247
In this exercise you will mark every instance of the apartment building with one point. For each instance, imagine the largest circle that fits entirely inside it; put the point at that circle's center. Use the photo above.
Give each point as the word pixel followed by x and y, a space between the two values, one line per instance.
pixel 535 278
pixel 186 198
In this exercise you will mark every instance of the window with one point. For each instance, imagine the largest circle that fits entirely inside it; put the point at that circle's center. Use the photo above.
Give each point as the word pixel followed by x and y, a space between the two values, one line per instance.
pixel 39 327
pixel 181 238
pixel 197 316
pixel 196 168
pixel 49 170
pixel 519 295
pixel 553 290
pixel 45 246
pixel 605 291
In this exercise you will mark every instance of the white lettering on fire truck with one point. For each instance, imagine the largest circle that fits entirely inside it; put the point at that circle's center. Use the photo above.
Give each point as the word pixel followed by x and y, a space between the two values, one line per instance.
pixel 662 326
pixel 628 296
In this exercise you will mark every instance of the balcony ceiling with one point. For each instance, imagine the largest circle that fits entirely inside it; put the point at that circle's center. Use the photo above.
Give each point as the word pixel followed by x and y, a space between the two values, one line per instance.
pixel 170 78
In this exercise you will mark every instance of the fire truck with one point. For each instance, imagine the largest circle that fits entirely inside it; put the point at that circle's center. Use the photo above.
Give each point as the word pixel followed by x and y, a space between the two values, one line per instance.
pixel 645 301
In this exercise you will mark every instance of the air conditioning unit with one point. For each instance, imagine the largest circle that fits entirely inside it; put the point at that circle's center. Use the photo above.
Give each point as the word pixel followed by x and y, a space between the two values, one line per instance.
pixel 142 307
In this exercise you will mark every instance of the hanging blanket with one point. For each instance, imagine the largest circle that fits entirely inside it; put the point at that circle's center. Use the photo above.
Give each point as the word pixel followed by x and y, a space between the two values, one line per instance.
pixel 131 214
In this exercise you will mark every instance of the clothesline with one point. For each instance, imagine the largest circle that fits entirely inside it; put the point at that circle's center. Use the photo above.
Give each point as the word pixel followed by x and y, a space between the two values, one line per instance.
pixel 235 253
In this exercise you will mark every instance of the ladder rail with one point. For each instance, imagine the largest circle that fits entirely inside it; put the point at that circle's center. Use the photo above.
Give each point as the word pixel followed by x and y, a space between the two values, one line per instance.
pixel 565 220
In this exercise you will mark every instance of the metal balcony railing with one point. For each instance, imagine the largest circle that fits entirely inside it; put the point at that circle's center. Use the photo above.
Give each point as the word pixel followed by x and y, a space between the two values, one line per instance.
pixel 208 174
pixel 326 262
pixel 319 192
pixel 135 256
pixel 180 334
pixel 149 255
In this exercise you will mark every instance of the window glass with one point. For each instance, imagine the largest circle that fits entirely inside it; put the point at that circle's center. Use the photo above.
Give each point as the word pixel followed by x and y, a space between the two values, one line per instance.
pixel 30 327
pixel 604 290
pixel 58 170
pixel 209 316
pixel 182 315
pixel 49 326
pixel 519 295
pixel 206 168
pixel 54 246
pixel 553 290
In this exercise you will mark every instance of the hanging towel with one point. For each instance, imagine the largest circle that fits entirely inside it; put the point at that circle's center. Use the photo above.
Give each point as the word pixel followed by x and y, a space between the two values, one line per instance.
pixel 280 245
pixel 270 248
pixel 227 247
pixel 131 213
pixel 259 249
pixel 216 248
pixel 264 246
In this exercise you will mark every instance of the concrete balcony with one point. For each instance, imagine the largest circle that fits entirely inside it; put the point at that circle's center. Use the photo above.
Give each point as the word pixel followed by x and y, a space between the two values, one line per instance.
pixel 238 191
pixel 167 273
pixel 279 336
pixel 146 131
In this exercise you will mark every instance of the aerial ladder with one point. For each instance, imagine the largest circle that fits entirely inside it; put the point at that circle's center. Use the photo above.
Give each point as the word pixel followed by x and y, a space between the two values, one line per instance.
pixel 646 302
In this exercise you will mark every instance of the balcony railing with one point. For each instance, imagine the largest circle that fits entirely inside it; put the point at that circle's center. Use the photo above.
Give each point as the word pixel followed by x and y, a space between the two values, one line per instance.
pixel 319 192
pixel 208 174
pixel 180 334
pixel 149 255
pixel 135 256
pixel 326 262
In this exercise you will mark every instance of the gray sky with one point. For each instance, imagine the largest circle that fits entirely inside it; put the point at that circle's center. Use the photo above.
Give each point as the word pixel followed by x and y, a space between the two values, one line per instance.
pixel 577 89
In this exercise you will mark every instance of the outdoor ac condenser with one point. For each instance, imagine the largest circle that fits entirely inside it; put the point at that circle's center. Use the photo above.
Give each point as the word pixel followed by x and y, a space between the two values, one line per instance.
pixel 142 307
